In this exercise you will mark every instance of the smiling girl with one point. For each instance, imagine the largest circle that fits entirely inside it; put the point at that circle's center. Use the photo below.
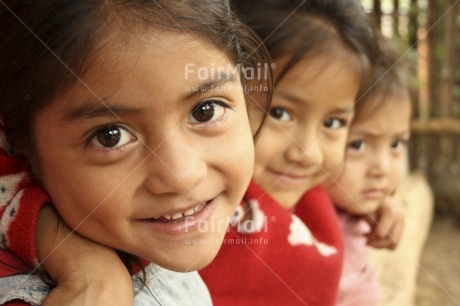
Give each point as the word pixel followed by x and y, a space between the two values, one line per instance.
pixel 94 97
pixel 322 51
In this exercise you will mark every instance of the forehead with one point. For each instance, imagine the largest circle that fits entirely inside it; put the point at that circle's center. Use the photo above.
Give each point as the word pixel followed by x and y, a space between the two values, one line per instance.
pixel 321 80
pixel 380 114
pixel 144 68
pixel 125 48
pixel 162 52
pixel 383 101
pixel 321 55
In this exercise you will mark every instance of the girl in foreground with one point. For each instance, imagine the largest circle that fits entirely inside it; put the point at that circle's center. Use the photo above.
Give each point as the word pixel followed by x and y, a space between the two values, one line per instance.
pixel 96 96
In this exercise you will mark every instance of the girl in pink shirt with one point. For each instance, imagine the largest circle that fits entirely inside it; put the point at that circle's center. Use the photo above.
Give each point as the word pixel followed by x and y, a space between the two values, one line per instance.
pixel 362 189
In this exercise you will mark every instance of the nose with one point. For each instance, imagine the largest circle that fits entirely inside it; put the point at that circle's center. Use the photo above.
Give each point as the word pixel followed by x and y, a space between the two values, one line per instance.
pixel 305 149
pixel 175 166
pixel 380 163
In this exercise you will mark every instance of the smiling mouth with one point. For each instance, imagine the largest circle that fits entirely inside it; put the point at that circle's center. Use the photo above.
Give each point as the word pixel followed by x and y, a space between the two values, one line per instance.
pixel 180 216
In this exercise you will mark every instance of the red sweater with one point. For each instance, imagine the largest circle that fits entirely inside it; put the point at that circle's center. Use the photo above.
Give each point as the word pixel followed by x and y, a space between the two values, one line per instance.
pixel 279 258
pixel 21 199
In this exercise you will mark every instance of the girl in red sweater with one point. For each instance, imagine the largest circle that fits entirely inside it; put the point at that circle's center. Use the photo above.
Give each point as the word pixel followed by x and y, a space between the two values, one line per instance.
pixel 286 246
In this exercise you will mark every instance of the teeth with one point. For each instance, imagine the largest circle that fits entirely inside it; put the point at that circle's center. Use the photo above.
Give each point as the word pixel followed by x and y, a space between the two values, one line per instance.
pixel 189 212
pixel 198 207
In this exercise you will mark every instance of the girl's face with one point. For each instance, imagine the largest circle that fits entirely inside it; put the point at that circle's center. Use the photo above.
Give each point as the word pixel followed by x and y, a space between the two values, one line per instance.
pixel 374 157
pixel 305 133
pixel 151 154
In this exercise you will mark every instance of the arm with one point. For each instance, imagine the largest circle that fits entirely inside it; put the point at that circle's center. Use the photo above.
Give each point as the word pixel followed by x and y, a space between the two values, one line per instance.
pixel 21 200
pixel 85 272
pixel 387 224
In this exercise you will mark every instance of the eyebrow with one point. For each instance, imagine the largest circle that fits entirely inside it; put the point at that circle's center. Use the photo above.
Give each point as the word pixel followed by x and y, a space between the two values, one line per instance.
pixel 97 108
pixel 210 85
pixel 375 135
pixel 290 97
pixel 345 110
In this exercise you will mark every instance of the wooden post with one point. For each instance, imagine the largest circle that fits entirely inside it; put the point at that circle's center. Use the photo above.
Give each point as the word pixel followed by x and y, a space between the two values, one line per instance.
pixel 413 23
pixel 417 62
pixel 377 14
pixel 448 62
pixel 447 82
pixel 431 56
pixel 432 80
pixel 396 18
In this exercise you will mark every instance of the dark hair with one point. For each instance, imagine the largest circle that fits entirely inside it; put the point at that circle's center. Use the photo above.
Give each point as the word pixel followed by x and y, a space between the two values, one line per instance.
pixel 298 28
pixel 390 77
pixel 46 44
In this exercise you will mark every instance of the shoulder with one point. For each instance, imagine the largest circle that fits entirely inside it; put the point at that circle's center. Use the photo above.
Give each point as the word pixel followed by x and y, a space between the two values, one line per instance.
pixel 165 287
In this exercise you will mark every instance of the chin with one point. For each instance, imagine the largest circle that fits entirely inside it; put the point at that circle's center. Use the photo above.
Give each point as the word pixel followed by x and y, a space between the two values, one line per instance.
pixel 369 208
pixel 286 200
pixel 191 263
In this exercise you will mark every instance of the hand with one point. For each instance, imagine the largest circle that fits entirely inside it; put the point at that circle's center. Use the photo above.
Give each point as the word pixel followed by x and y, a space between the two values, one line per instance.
pixel 387 225
pixel 90 292
pixel 86 272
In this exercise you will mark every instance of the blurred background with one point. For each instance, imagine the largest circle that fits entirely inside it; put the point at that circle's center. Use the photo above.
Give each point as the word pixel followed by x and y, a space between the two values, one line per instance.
pixel 429 31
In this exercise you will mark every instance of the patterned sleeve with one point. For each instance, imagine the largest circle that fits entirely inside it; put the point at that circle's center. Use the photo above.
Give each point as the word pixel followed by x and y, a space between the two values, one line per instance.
pixel 21 199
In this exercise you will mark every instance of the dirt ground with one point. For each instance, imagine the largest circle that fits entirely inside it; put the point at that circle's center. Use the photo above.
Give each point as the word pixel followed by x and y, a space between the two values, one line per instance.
pixel 438 282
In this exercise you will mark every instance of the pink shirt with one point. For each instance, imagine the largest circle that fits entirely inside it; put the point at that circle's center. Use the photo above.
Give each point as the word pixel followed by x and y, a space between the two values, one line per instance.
pixel 358 284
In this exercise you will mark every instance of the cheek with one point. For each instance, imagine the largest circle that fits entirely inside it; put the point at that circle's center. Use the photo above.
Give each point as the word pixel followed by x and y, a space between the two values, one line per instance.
pixel 69 204
pixel 260 156
pixel 94 206
pixel 264 152
pixel 334 155
pixel 80 195
pixel 351 176
pixel 239 158
pixel 256 117
pixel 243 164
pixel 342 180
pixel 340 192
pixel 397 173
pixel 77 195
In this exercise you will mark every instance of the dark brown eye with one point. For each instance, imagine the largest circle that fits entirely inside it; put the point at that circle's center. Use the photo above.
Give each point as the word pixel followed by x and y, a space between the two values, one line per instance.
pixel 357 145
pixel 398 143
pixel 208 111
pixel 280 114
pixel 111 136
pixel 203 112
pixel 334 123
